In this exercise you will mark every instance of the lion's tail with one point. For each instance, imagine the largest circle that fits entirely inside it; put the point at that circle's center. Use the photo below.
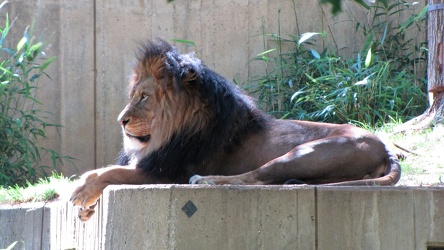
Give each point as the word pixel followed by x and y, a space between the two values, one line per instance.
pixel 391 177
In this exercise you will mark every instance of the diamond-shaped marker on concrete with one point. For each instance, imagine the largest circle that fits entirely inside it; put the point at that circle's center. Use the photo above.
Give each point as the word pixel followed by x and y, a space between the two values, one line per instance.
pixel 189 208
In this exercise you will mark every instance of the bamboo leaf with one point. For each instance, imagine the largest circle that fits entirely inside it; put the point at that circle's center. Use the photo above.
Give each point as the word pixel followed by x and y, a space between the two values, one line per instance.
pixel 307 36
pixel 3 4
pixel 266 52
pixel 189 42
pixel 5 70
pixel 368 58
pixel 45 64
pixel 296 94
pixel 311 78
pixel 384 34
pixel 36 46
pixel 22 43
pixel 315 54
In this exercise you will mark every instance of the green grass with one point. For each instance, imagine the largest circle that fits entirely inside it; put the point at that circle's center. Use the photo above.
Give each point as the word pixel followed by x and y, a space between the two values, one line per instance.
pixel 44 190
pixel 424 164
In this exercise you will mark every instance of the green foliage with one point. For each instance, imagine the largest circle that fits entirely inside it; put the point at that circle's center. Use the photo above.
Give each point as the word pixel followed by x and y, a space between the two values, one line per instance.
pixel 22 123
pixel 379 85
pixel 43 190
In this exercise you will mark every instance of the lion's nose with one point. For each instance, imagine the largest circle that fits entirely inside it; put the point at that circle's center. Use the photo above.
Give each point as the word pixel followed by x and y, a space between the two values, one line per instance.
pixel 123 118
pixel 124 122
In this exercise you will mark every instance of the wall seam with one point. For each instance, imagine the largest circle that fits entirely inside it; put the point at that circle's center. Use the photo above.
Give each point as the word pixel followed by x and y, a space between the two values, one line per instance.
pixel 41 227
pixel 316 217
pixel 95 80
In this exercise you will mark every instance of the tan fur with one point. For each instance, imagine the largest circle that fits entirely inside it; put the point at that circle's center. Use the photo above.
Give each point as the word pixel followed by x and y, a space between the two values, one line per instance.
pixel 161 107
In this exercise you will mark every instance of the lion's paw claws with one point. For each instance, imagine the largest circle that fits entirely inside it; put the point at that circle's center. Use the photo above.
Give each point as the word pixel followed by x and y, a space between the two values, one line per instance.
pixel 86 213
pixel 197 179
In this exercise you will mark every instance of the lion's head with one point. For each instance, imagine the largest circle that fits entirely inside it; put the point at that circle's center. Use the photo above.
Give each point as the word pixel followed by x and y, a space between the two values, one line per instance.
pixel 180 112
pixel 162 100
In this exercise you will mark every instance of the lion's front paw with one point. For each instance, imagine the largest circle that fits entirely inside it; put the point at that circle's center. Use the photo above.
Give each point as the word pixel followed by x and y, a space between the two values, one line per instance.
pixel 87 194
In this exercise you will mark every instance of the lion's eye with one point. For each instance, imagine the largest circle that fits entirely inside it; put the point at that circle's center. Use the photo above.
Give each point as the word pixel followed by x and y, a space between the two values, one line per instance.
pixel 143 98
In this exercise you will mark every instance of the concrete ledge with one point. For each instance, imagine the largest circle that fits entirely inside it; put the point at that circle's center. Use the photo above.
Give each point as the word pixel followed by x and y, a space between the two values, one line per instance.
pixel 235 217
pixel 380 218
pixel 226 217
pixel 274 217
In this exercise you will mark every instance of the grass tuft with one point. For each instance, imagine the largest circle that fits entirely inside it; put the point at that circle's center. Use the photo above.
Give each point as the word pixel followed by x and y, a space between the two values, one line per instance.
pixel 46 189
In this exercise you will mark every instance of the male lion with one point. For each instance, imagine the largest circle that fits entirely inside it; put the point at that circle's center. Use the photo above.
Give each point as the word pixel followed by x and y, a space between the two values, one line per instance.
pixel 185 123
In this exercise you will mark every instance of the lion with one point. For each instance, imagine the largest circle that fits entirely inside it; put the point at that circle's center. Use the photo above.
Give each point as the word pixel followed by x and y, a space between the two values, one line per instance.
pixel 185 123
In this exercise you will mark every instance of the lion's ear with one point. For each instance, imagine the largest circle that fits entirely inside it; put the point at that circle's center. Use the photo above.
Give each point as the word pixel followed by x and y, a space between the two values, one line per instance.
pixel 169 68
pixel 161 60
pixel 173 69
pixel 191 68
pixel 190 75
pixel 179 70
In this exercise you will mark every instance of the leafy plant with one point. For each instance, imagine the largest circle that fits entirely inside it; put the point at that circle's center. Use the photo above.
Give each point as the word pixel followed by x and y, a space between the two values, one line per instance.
pixel 22 123
pixel 390 36
pixel 379 85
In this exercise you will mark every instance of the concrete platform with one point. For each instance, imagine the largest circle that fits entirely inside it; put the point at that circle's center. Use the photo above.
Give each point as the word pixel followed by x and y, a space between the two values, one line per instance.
pixel 236 217
pixel 226 217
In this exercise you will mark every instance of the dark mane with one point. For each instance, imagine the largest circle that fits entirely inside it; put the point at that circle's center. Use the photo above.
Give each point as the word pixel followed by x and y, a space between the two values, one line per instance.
pixel 235 117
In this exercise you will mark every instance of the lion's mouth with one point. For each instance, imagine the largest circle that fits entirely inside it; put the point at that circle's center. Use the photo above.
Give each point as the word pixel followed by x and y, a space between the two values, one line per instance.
pixel 142 139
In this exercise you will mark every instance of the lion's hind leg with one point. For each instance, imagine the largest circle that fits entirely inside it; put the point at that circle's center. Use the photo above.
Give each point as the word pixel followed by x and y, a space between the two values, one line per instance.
pixel 328 160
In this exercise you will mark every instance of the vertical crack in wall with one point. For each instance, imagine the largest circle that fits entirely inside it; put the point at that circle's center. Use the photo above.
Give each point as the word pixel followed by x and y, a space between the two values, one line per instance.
pixel 171 231
pixel 414 220
pixel 316 217
pixel 260 215
pixel 41 227
pixel 95 79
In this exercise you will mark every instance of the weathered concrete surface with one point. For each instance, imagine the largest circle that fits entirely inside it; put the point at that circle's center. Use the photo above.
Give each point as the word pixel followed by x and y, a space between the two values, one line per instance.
pixel 366 218
pixel 226 217
pixel 429 217
pixel 63 230
pixel 235 217
pixel 23 224
pixel 274 217
pixel 48 226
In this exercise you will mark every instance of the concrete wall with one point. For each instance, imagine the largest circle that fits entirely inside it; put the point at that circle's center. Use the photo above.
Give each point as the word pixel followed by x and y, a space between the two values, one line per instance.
pixel 48 226
pixel 95 41
pixel 236 217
